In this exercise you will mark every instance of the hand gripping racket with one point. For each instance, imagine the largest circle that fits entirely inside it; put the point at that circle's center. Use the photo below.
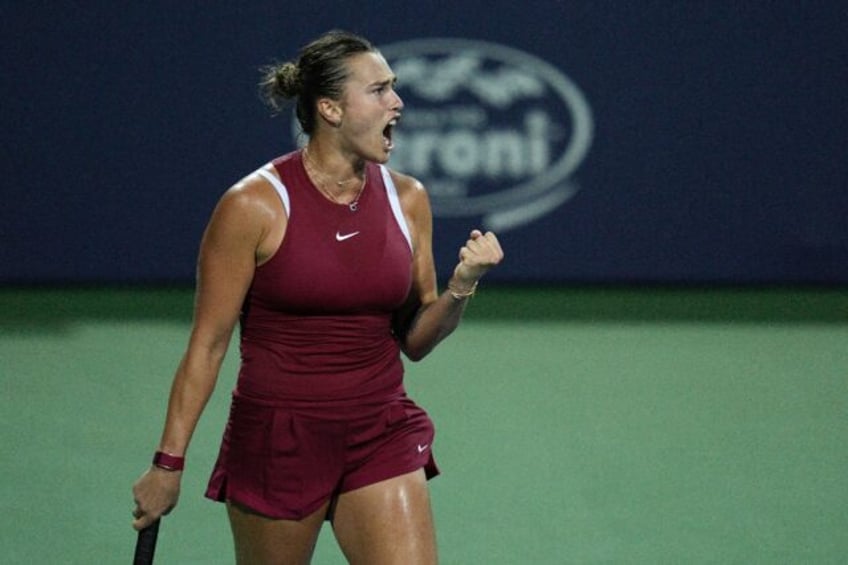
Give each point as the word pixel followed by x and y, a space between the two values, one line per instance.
pixel 145 546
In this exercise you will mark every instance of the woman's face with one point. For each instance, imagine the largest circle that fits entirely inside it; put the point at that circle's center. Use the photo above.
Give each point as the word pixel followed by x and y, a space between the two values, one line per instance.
pixel 370 107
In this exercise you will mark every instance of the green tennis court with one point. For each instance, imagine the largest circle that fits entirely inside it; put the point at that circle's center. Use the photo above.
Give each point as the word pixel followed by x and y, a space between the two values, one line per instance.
pixel 574 425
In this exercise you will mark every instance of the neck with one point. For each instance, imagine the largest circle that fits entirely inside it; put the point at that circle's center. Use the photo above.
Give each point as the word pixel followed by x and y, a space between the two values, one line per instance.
pixel 345 191
pixel 331 171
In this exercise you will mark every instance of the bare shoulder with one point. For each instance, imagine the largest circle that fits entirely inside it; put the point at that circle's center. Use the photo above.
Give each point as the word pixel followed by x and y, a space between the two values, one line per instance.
pixel 415 204
pixel 252 198
pixel 411 193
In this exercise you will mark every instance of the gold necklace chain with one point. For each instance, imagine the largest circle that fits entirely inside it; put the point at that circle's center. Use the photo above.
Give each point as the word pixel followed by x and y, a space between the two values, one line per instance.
pixel 313 171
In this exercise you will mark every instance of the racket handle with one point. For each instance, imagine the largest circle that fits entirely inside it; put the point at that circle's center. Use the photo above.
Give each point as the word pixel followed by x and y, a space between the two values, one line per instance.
pixel 145 546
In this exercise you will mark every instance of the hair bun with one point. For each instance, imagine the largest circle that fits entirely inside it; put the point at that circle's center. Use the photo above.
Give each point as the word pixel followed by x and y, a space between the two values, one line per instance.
pixel 280 83
pixel 288 80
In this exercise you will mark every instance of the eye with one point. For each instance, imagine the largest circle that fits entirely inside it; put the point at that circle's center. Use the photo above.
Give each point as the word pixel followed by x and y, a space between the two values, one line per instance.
pixel 385 87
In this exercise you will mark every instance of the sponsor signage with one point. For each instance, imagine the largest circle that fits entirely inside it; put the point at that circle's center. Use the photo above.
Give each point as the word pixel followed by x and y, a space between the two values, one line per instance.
pixel 490 130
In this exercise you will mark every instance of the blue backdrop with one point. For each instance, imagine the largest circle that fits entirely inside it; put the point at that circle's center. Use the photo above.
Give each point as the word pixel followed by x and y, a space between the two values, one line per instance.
pixel 653 141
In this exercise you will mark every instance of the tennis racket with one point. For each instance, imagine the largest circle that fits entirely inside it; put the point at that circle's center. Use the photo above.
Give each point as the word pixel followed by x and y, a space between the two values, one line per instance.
pixel 145 546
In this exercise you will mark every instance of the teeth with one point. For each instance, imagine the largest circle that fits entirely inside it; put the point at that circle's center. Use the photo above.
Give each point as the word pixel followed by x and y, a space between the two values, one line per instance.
pixel 387 134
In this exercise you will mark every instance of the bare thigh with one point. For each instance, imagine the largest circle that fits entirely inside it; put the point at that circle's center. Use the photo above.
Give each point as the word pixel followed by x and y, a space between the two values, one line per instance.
pixel 260 540
pixel 387 523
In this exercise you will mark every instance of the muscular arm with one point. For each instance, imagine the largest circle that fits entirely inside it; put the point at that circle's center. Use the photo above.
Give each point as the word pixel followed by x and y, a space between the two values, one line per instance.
pixel 231 247
pixel 428 317
pixel 225 267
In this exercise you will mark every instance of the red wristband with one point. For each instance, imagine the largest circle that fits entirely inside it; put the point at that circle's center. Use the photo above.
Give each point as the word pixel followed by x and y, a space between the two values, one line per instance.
pixel 168 462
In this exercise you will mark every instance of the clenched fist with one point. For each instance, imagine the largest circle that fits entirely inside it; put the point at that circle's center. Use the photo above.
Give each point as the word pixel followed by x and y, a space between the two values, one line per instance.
pixel 479 254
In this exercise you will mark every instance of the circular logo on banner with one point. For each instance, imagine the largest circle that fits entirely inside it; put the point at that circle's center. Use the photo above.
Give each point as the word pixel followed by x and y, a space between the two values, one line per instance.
pixel 490 130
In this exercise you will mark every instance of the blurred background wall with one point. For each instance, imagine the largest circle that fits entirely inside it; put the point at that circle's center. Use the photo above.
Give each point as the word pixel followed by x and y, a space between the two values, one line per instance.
pixel 626 142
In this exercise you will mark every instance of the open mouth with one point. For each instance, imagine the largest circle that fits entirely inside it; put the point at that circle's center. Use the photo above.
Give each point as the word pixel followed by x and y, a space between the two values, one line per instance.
pixel 388 131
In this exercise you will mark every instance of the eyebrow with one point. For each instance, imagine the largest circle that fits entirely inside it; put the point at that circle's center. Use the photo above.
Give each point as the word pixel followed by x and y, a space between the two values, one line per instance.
pixel 393 80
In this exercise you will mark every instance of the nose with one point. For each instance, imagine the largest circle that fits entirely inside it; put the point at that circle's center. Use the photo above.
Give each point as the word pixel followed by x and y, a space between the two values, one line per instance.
pixel 398 102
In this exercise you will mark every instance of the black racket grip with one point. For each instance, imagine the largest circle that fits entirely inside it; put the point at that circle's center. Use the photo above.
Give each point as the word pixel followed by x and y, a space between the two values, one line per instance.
pixel 145 546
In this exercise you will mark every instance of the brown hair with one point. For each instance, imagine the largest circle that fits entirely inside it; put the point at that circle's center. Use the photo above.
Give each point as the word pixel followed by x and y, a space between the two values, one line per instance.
pixel 318 72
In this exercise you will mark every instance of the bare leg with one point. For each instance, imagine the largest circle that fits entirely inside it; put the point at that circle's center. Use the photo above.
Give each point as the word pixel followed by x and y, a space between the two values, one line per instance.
pixel 260 540
pixel 387 523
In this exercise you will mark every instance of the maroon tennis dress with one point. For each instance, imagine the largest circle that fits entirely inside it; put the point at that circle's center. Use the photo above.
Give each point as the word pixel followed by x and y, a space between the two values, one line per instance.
pixel 319 407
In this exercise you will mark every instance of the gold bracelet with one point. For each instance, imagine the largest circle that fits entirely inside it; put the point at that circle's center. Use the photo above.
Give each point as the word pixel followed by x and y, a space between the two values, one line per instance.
pixel 460 294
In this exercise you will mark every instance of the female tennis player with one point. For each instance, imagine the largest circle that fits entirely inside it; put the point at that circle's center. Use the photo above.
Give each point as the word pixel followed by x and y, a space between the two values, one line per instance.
pixel 324 257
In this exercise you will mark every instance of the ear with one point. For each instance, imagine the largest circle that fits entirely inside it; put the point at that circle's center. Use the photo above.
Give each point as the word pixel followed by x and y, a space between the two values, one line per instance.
pixel 331 111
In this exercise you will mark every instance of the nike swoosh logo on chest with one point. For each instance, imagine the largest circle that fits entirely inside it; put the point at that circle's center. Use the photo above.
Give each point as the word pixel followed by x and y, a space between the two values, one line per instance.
pixel 340 237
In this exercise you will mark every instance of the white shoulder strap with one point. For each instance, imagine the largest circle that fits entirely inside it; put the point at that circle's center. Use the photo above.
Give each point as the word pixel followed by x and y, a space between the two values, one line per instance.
pixel 391 190
pixel 279 187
